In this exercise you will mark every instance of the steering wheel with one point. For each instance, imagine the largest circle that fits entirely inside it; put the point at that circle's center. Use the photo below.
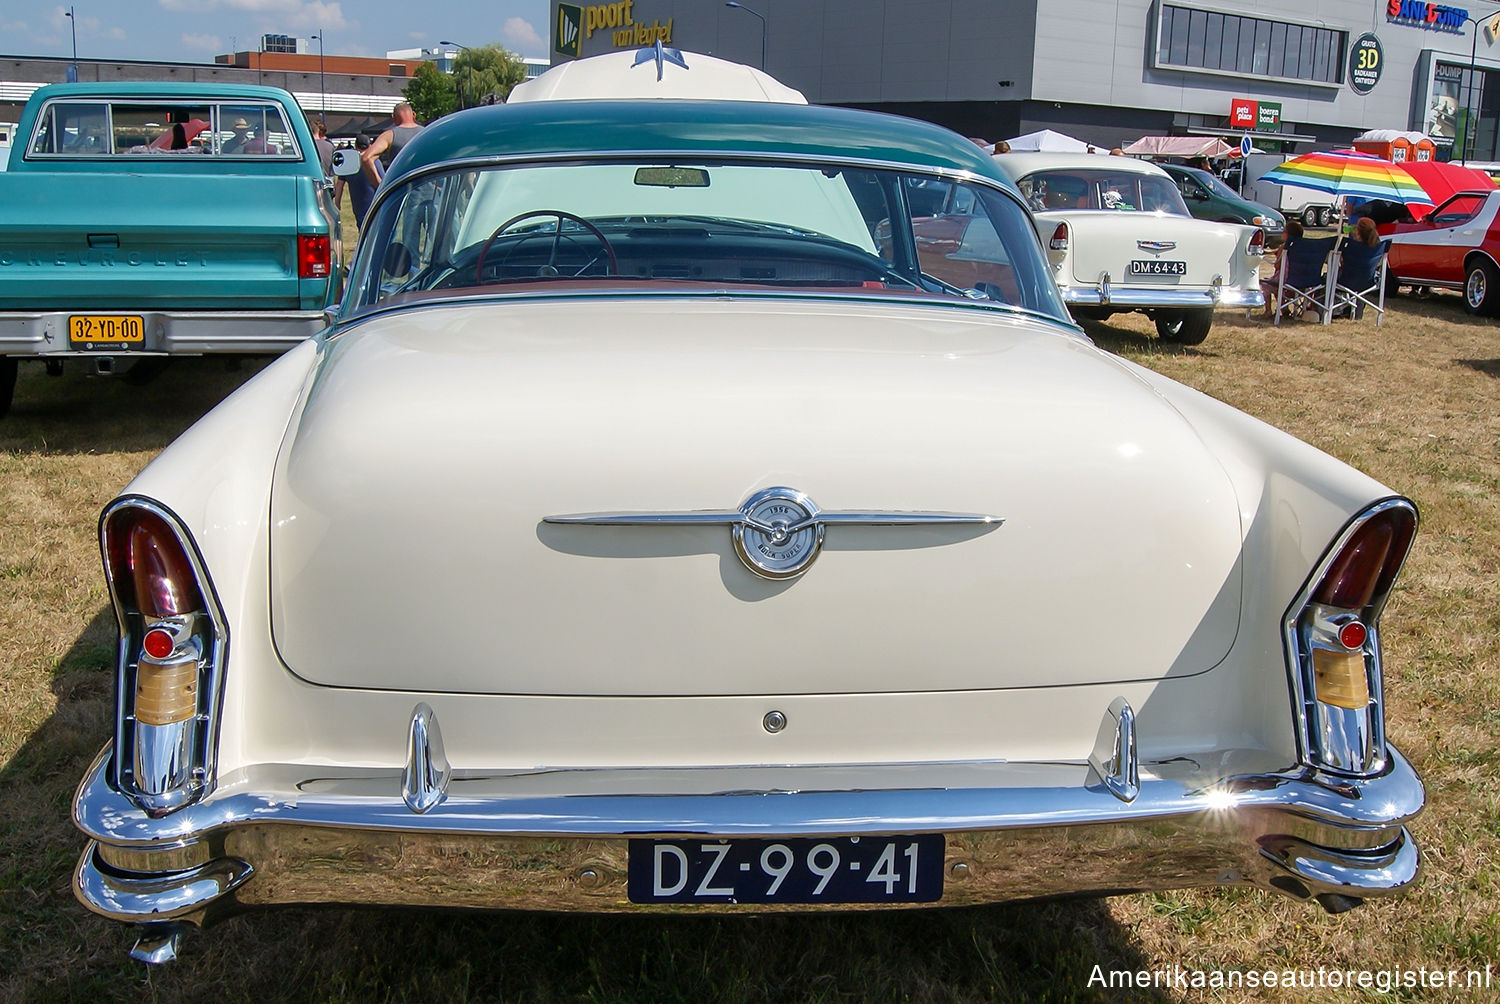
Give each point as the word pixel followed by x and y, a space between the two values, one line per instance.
pixel 557 236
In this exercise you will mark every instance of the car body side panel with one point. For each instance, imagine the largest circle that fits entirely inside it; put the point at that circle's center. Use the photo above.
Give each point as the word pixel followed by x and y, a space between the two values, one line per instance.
pixel 1435 252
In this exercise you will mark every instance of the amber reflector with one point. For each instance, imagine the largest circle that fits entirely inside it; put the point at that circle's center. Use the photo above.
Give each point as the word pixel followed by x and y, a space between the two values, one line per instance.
pixel 1340 678
pixel 166 694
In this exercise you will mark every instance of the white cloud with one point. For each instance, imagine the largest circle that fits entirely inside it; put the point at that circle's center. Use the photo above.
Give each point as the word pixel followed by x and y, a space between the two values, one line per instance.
pixel 520 36
pixel 14 27
pixel 203 43
pixel 188 6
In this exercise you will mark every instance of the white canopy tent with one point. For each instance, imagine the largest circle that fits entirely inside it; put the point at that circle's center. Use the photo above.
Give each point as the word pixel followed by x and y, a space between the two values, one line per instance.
pixel 1047 141
pixel 1179 146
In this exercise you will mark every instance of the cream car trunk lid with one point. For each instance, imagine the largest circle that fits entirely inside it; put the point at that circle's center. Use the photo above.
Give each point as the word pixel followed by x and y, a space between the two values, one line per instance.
pixel 1114 242
pixel 409 552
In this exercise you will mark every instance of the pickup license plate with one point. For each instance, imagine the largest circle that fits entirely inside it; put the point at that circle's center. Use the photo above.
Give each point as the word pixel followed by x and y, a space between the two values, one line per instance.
pixel 106 331
pixel 904 869
pixel 1154 267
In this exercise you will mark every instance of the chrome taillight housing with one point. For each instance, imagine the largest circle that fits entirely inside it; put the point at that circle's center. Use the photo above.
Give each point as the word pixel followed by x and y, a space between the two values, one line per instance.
pixel 1258 241
pixel 1333 641
pixel 171 654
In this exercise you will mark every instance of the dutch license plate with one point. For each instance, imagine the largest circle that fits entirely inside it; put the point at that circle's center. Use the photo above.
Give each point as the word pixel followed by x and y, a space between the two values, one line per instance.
pixel 907 869
pixel 1139 267
pixel 100 331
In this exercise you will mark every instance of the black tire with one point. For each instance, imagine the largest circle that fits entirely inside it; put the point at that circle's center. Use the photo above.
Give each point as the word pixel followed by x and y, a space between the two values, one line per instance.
pixel 1185 327
pixel 1482 288
pixel 1325 216
pixel 1310 216
pixel 7 384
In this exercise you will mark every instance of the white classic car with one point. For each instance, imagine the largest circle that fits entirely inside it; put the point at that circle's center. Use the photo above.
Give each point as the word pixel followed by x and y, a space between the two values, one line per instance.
pixel 1120 238
pixel 655 529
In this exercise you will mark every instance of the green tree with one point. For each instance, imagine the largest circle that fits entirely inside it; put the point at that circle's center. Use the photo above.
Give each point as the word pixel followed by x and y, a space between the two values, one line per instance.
pixel 431 93
pixel 485 74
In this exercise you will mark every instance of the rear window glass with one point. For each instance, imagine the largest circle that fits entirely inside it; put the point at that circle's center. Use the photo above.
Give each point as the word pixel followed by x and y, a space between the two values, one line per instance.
pixel 688 224
pixel 1114 191
pixel 95 128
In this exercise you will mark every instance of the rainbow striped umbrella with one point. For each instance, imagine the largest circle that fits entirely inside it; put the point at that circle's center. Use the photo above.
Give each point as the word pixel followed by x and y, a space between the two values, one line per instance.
pixel 1349 174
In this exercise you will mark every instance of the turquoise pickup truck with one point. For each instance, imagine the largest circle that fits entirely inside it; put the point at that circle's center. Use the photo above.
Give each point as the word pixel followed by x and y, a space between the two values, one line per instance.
pixel 162 219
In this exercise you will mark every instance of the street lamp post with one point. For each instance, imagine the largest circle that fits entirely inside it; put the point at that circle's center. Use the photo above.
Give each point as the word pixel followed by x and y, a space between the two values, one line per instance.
pixel 747 10
pixel 322 80
pixel 468 71
pixel 1468 131
pixel 73 25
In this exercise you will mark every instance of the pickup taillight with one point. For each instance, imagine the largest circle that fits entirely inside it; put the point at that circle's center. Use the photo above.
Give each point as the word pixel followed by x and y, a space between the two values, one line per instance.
pixel 314 256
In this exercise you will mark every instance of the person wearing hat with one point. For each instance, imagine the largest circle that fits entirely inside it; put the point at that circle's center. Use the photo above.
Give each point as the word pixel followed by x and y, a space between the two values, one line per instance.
pixel 236 143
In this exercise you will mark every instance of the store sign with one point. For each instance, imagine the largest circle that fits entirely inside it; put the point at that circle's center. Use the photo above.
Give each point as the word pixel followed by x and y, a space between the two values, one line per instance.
pixel 1434 16
pixel 1242 113
pixel 568 30
pixel 1268 113
pixel 1366 60
pixel 576 23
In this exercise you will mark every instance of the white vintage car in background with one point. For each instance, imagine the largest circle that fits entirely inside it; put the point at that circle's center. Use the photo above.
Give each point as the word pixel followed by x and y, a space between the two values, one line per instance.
pixel 1120 238
pixel 656 529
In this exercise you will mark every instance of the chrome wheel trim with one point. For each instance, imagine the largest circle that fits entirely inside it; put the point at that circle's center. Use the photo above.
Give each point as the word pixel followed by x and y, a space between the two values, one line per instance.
pixel 1474 289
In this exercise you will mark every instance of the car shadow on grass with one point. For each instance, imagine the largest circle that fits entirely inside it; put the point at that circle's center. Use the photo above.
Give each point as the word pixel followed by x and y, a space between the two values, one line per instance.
pixel 1117 337
pixel 1489 367
pixel 58 950
pixel 79 411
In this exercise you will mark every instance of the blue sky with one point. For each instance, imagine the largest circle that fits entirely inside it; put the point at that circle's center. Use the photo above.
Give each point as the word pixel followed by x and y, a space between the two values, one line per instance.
pixel 198 30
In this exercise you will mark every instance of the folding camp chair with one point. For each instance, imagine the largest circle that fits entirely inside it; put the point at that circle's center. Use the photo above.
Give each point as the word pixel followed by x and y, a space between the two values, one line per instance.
pixel 1303 284
pixel 1360 282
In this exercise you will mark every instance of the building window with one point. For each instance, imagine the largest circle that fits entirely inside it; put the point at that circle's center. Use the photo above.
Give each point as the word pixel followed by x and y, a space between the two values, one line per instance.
pixel 1243 45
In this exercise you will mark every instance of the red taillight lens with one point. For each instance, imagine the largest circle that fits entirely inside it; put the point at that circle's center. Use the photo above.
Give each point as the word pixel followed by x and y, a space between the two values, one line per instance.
pixel 150 570
pixel 314 256
pixel 1368 563
pixel 1059 241
pixel 1258 242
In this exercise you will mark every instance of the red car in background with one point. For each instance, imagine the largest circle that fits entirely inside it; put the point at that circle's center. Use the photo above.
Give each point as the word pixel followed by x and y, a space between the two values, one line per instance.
pixel 1456 246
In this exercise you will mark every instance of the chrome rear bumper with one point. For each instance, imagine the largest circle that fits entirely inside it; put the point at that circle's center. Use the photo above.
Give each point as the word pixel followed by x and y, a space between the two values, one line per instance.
pixel 181 332
pixel 557 840
pixel 1141 297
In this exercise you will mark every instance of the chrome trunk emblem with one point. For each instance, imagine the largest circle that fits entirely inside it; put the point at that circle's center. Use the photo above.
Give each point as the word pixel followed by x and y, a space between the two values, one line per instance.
pixel 777 532
pixel 1156 245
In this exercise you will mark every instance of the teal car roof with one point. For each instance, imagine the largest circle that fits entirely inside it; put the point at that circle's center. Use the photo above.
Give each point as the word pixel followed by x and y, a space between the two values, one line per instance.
pixel 696 128
pixel 163 89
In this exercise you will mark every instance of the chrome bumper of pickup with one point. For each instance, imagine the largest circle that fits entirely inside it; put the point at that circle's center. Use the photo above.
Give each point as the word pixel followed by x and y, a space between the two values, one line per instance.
pixel 557 840
pixel 183 332
pixel 1137 297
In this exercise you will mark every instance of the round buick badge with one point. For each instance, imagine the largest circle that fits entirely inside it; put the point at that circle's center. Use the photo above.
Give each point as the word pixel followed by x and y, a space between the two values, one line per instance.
pixel 778 534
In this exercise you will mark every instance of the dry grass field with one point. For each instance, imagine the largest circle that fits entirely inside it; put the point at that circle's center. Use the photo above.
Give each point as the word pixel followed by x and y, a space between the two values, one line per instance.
pixel 1415 402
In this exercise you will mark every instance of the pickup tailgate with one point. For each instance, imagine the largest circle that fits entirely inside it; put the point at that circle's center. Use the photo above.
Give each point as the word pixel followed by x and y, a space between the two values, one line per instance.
pixel 137 241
